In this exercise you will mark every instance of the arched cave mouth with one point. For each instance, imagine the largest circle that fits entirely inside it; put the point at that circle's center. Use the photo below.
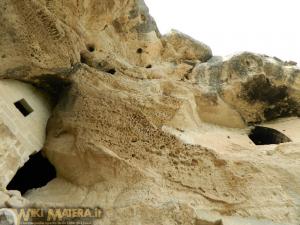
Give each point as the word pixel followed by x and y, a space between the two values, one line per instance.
pixel 266 136
pixel 35 173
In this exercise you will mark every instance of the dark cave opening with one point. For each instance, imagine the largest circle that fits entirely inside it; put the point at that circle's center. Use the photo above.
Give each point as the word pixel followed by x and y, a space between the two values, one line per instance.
pixel 139 51
pixel 267 136
pixel 83 58
pixel 90 47
pixel 111 71
pixel 35 173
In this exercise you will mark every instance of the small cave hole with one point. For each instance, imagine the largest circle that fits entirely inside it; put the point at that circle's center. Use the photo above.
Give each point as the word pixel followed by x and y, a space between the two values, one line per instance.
pixel 35 173
pixel 139 51
pixel 149 66
pixel 90 47
pixel 111 71
pixel 267 136
pixel 83 58
pixel 23 107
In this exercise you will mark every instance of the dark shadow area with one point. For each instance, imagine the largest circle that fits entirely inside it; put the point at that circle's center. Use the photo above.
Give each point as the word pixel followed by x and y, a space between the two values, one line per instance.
pixel 111 71
pixel 90 47
pixel 267 136
pixel 139 51
pixel 83 58
pixel 54 86
pixel 36 173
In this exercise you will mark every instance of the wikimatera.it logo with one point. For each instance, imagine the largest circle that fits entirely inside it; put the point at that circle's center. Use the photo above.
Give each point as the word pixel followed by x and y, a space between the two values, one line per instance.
pixel 50 216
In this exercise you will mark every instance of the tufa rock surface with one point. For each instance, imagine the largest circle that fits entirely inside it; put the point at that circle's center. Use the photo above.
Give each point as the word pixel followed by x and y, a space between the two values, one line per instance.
pixel 152 128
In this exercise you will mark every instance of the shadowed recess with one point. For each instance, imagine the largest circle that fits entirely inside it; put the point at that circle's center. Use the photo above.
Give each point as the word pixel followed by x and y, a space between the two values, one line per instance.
pixel 267 136
pixel 35 173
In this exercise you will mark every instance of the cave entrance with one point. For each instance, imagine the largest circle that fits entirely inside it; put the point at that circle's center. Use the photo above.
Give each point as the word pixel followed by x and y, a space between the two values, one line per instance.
pixel 267 136
pixel 35 173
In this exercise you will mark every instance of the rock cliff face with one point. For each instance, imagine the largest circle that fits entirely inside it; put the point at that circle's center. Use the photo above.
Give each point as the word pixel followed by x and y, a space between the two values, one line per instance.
pixel 153 128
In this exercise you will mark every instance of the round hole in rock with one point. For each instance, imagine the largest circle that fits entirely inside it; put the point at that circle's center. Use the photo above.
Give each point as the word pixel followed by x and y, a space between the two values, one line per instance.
pixel 35 173
pixel 139 50
pixel 90 47
pixel 149 66
pixel 267 136
pixel 111 71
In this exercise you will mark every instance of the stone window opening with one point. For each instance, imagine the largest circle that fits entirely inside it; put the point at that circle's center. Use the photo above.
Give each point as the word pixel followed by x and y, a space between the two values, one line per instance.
pixel 23 107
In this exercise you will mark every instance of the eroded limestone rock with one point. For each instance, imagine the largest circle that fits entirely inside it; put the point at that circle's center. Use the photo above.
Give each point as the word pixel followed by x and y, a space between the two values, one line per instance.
pixel 180 47
pixel 152 129
pixel 259 87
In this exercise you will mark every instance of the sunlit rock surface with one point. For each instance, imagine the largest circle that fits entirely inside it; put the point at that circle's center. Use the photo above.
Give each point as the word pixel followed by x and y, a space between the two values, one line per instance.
pixel 154 129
